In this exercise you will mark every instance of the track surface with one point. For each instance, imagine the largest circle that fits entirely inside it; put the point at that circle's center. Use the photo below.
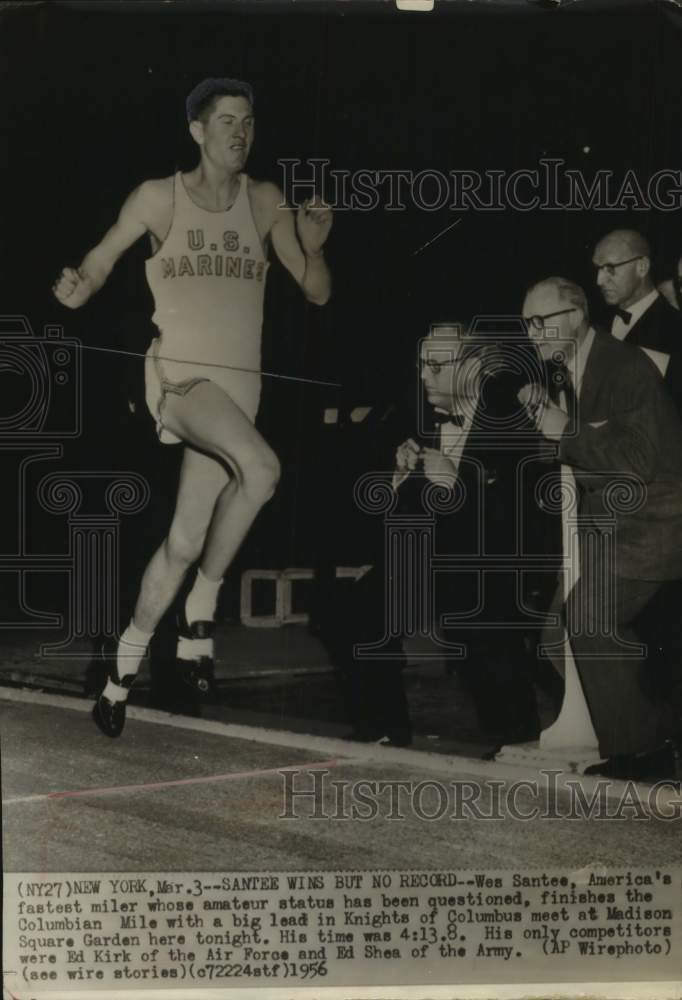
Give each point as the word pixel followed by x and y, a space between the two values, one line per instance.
pixel 190 795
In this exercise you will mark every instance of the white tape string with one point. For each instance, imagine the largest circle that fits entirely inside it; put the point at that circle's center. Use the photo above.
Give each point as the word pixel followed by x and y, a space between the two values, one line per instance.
pixel 213 364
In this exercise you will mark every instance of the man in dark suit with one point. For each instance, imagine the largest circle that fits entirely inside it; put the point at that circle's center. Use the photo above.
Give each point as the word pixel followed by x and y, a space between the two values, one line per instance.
pixel 472 462
pixel 644 318
pixel 618 429
pixel 486 450
pixel 641 315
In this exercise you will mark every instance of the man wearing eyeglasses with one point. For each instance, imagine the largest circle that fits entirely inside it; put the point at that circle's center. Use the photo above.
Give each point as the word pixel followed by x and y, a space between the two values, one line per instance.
pixel 611 420
pixel 477 416
pixel 449 368
pixel 642 316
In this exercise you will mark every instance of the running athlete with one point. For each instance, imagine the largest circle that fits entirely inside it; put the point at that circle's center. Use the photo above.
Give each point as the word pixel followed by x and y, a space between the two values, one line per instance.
pixel 210 231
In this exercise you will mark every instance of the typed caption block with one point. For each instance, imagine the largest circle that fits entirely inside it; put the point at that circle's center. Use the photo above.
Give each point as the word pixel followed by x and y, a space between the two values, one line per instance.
pixel 117 931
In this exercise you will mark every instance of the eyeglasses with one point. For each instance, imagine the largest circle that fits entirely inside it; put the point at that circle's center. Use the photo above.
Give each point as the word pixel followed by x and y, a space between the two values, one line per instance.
pixel 435 366
pixel 611 268
pixel 538 322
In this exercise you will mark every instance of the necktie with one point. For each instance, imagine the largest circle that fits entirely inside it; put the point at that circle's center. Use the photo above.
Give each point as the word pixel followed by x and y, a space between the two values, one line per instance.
pixel 624 315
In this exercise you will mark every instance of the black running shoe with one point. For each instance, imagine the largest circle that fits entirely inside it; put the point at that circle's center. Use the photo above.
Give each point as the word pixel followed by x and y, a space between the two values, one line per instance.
pixel 199 674
pixel 110 716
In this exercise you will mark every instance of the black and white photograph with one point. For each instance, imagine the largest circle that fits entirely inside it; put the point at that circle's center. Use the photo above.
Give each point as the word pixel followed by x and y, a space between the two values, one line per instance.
pixel 341 442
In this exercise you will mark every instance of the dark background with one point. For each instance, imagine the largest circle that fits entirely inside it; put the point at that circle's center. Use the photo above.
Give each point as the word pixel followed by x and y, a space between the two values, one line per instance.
pixel 92 102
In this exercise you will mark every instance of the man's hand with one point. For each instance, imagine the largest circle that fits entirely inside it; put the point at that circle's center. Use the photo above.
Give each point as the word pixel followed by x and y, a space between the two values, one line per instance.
pixel 407 456
pixel 72 288
pixel 297 239
pixel 438 468
pixel 552 421
pixel 313 222
pixel 549 419
pixel 151 200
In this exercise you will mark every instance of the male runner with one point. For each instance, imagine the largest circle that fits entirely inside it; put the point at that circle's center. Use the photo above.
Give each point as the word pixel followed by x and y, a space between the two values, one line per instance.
pixel 210 230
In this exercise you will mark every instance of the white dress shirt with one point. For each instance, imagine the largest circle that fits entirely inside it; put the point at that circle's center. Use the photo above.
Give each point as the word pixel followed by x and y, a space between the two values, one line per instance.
pixel 619 329
pixel 453 439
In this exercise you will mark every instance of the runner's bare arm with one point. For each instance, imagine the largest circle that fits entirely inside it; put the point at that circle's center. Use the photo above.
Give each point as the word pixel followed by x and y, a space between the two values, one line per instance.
pixel 76 285
pixel 299 244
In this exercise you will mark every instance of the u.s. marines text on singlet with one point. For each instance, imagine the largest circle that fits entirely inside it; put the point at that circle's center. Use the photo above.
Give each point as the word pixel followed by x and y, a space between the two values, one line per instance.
pixel 208 282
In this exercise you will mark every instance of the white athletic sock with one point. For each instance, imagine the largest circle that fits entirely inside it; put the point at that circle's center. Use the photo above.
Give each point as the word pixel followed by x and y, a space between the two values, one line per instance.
pixel 129 654
pixel 114 692
pixel 194 649
pixel 202 599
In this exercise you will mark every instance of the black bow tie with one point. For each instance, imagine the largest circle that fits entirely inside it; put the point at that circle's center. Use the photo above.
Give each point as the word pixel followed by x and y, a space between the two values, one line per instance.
pixel 624 315
pixel 441 418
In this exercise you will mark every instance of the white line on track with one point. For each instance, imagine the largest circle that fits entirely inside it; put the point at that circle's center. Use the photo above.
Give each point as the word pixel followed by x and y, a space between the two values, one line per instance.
pixel 154 786
pixel 350 753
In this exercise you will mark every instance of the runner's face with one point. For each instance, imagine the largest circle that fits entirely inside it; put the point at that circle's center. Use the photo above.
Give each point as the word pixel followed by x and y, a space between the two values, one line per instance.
pixel 228 133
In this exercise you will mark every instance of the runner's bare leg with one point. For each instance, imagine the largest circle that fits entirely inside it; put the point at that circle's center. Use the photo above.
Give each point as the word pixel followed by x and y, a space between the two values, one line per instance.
pixel 214 511
pixel 209 421
pixel 202 480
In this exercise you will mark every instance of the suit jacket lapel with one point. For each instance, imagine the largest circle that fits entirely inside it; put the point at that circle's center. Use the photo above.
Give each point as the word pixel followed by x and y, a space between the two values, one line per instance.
pixel 653 329
pixel 641 332
pixel 592 377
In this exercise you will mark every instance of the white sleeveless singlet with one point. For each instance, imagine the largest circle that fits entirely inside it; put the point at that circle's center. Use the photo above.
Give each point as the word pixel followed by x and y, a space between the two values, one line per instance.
pixel 208 282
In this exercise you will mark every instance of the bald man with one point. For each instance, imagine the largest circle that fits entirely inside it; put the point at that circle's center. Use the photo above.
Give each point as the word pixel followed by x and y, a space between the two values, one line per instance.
pixel 641 316
pixel 476 472
pixel 479 606
pixel 624 444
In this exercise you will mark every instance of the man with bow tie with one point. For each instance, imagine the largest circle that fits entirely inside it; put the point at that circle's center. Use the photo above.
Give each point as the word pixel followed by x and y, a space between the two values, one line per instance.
pixel 613 423
pixel 481 449
pixel 481 439
pixel 641 315
pixel 450 369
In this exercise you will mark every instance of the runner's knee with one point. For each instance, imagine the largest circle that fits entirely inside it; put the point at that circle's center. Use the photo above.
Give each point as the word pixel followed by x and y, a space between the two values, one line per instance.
pixel 183 544
pixel 260 476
